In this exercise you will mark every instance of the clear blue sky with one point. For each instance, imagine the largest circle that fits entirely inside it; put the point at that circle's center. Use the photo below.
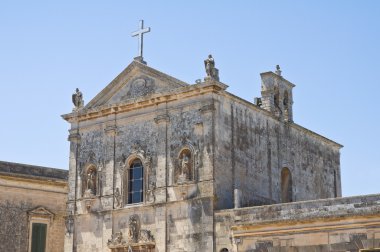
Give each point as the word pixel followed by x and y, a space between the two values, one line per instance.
pixel 329 49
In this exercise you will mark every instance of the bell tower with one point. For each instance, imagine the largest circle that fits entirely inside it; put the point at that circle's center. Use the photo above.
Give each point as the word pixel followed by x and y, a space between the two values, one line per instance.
pixel 277 95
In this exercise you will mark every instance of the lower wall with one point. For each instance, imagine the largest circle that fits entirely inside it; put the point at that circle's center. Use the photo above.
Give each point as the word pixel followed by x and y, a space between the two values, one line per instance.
pixel 180 226
pixel 343 224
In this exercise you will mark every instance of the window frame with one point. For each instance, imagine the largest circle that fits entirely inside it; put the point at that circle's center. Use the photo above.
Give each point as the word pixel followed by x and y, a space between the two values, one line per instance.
pixel 129 193
pixel 125 180
pixel 42 216
pixel 39 220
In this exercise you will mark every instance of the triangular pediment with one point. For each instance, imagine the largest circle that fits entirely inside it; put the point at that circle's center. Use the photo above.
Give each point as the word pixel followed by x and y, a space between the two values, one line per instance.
pixel 136 81
pixel 41 212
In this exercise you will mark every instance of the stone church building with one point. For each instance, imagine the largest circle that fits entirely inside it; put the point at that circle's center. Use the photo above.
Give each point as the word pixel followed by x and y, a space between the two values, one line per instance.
pixel 157 164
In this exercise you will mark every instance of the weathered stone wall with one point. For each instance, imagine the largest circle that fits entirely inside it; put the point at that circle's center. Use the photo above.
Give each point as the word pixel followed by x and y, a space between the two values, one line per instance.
pixel 25 188
pixel 252 149
pixel 344 224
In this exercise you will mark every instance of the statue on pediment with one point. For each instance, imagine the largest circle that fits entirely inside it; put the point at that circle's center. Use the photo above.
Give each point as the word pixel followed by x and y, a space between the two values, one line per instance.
pixel 211 71
pixel 77 99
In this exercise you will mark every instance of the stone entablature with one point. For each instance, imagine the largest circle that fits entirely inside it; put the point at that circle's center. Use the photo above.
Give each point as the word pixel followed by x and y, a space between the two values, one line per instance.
pixel 143 102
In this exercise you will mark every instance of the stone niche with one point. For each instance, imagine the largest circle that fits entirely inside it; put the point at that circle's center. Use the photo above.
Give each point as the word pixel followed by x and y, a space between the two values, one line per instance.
pixel 184 172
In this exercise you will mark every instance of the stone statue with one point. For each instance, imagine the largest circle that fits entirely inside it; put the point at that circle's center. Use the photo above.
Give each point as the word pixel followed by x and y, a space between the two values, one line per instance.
pixel 91 181
pixel 77 98
pixel 278 70
pixel 211 71
pixel 185 165
pixel 134 229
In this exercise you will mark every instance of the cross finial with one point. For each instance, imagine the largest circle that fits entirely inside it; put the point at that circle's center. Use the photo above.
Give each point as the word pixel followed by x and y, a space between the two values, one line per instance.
pixel 140 34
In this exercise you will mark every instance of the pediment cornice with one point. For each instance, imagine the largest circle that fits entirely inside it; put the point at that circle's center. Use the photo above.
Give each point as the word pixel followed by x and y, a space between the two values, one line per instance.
pixel 155 99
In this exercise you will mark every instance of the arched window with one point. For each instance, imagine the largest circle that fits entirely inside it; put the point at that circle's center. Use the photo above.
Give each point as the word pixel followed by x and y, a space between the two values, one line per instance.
pixel 224 250
pixel 286 186
pixel 135 182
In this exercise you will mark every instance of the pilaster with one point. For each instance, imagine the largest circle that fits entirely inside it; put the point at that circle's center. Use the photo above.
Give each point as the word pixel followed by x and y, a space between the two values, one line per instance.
pixel 162 122
pixel 205 170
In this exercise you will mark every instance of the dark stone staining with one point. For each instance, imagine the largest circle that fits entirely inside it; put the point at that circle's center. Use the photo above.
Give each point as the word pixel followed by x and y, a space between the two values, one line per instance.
pixel 13 233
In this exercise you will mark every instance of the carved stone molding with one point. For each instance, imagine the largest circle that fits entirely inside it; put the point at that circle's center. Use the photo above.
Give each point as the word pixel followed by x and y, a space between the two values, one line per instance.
pixel 41 212
pixel 74 137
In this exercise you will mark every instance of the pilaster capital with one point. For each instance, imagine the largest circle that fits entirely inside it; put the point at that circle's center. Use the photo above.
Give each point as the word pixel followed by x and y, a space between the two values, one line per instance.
pixel 207 108
pixel 162 118
pixel 74 137
pixel 111 130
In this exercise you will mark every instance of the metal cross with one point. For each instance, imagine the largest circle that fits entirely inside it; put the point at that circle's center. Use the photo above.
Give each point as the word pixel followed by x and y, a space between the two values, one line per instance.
pixel 140 34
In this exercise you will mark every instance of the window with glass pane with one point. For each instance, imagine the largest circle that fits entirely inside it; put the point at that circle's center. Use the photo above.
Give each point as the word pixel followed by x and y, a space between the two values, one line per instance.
pixel 38 237
pixel 135 182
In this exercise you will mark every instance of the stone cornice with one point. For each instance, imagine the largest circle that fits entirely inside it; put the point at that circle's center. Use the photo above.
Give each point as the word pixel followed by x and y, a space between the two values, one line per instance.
pixel 284 228
pixel 155 99
pixel 33 179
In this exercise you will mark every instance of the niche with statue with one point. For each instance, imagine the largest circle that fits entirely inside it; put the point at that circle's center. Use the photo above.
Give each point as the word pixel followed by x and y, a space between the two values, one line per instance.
pixel 184 171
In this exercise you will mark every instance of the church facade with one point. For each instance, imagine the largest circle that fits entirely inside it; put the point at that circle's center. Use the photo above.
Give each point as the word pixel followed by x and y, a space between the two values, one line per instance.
pixel 157 164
